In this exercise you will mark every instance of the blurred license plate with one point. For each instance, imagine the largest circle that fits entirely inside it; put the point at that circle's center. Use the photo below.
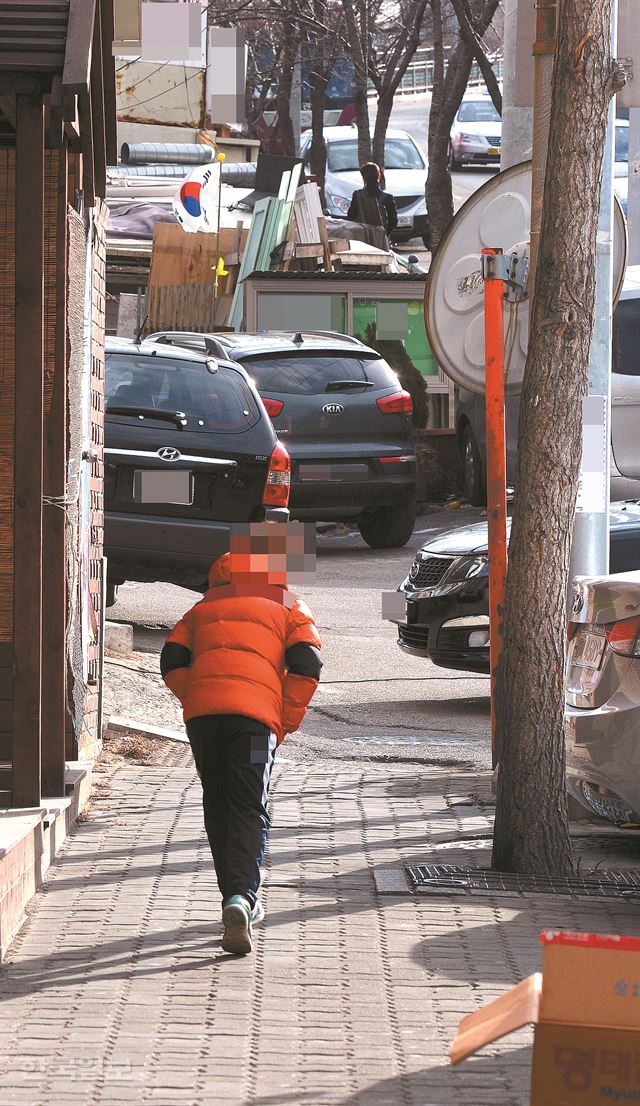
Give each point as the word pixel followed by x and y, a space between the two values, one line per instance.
pixel 405 220
pixel 152 486
pixel 588 650
pixel 494 150
pixel 322 473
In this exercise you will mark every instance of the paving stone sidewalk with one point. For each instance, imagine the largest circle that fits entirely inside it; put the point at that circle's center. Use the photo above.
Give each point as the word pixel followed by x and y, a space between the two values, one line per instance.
pixel 117 991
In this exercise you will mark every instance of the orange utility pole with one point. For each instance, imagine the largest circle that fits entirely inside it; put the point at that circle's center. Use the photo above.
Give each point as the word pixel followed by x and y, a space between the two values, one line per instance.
pixel 494 287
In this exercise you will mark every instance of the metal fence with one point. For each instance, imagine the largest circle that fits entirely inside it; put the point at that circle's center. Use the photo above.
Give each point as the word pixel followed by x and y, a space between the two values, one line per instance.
pixel 419 75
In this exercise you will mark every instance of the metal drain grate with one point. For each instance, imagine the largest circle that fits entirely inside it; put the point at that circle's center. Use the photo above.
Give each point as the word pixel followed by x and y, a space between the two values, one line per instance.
pixel 459 880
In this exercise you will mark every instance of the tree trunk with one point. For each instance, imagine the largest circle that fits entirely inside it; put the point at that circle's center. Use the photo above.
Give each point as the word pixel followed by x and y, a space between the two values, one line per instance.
pixel 385 107
pixel 358 46
pixel 448 90
pixel 531 829
pixel 318 81
pixel 284 123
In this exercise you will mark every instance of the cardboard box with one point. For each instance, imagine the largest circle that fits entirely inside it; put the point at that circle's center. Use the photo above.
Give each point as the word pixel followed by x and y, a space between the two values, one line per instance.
pixel 585 1006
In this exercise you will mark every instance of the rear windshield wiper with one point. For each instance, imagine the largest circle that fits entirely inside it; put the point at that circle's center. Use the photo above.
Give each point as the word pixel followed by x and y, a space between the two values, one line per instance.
pixel 178 417
pixel 340 385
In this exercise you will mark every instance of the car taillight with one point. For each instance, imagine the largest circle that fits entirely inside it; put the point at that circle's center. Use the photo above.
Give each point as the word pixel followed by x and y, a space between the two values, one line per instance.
pixel 398 403
pixel 273 406
pixel 624 637
pixel 278 482
pixel 406 459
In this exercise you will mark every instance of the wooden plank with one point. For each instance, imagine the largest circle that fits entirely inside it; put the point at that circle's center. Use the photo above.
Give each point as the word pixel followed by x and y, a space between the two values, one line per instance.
pixel 73 138
pixel 54 129
pixel 86 137
pixel 8 107
pixel 97 114
pixel 77 56
pixel 109 80
pixel 324 238
pixel 6 683
pixel 21 60
pixel 27 572
pixel 54 572
pixel 181 258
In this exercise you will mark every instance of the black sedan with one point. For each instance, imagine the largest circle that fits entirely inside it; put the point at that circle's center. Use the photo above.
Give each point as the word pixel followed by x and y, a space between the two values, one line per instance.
pixel 447 591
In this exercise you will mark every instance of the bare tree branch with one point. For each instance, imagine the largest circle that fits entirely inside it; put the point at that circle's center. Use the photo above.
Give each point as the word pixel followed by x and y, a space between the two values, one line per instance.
pixel 474 41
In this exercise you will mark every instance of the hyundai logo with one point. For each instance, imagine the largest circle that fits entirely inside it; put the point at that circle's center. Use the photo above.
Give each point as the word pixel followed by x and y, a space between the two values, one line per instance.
pixel 333 409
pixel 168 453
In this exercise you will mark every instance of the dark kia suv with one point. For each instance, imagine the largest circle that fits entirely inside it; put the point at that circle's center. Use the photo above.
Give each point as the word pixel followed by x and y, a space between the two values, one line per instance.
pixel 345 420
pixel 189 450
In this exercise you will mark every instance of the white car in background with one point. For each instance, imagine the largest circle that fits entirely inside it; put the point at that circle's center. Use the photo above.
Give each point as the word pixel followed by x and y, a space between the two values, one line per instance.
pixel 621 166
pixel 476 134
pixel 405 175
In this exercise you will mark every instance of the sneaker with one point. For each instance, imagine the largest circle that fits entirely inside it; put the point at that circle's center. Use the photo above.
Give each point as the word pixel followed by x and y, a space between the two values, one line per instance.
pixel 236 919
pixel 257 914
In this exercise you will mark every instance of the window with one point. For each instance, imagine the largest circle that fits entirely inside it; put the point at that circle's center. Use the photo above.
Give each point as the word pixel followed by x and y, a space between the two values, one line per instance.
pixel 626 337
pixel 291 311
pixel 478 111
pixel 398 323
pixel 622 143
pixel 213 402
pixel 399 153
pixel 309 373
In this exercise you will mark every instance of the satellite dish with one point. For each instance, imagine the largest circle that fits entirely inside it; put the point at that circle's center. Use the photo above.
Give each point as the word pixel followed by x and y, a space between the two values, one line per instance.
pixel 497 216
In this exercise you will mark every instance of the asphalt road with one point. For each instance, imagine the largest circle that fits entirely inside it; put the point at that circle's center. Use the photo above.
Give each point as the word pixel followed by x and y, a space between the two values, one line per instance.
pixel 411 114
pixel 373 700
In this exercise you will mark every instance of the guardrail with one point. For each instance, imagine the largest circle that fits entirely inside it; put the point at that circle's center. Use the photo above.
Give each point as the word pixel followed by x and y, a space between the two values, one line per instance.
pixel 419 77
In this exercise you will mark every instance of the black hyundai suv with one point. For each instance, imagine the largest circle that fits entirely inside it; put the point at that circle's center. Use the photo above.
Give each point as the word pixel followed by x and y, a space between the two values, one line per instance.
pixel 345 420
pixel 189 450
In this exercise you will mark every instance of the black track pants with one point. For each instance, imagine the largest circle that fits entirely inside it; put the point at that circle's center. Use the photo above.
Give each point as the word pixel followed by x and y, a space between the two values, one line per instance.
pixel 234 756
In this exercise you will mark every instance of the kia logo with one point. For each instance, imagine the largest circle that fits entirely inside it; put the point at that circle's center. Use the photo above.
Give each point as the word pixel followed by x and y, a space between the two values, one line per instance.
pixel 168 453
pixel 333 408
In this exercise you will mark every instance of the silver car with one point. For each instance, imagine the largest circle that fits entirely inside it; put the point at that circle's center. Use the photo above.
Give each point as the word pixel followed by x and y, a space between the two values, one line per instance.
pixel 476 134
pixel 625 411
pixel 602 715
pixel 405 175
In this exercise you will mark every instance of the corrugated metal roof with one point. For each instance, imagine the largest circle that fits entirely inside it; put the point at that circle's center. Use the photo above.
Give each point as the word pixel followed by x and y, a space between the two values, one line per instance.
pixel 338 278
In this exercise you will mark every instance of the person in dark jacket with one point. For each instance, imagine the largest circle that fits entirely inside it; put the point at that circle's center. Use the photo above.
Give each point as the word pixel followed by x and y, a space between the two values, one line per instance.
pixel 371 205
pixel 244 663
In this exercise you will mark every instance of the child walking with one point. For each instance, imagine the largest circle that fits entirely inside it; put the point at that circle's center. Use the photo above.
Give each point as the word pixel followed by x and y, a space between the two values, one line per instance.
pixel 244 663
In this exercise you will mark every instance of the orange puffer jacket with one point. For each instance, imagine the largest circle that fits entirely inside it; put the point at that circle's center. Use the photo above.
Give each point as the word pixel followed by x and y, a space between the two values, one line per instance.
pixel 236 653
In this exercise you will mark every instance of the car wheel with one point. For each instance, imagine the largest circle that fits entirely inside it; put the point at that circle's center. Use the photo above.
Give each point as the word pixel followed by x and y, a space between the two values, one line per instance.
pixel 388 527
pixel 453 164
pixel 111 594
pixel 474 482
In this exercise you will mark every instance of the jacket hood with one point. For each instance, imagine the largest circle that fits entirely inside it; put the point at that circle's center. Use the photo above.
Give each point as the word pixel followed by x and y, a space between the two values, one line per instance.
pixel 221 572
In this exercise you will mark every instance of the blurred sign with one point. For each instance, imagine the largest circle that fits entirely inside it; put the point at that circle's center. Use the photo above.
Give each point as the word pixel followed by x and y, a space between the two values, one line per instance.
pixel 226 74
pixel 594 475
pixel 629 47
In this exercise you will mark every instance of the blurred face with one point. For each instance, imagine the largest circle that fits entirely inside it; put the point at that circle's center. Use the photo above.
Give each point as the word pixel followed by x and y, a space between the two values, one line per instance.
pixel 281 552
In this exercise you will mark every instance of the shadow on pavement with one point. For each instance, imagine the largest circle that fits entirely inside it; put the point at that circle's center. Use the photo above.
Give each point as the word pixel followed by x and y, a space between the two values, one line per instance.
pixel 502 1079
